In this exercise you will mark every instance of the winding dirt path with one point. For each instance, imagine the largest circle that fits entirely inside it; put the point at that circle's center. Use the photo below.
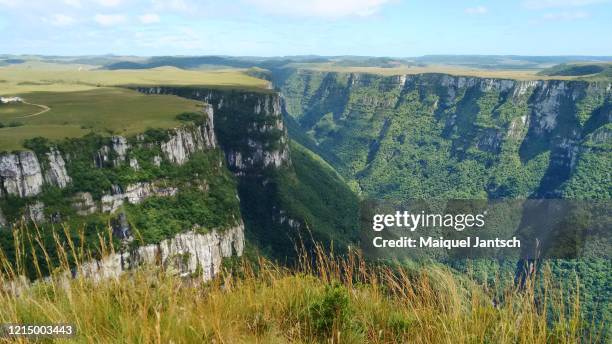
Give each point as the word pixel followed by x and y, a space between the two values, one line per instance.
pixel 44 108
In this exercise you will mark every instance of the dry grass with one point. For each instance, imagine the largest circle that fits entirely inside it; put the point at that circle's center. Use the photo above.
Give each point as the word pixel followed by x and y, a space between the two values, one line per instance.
pixel 515 74
pixel 21 79
pixel 324 299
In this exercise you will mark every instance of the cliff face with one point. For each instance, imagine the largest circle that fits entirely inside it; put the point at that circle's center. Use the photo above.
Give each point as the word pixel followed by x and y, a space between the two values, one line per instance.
pixel 24 174
pixel 280 198
pixel 172 186
pixel 409 136
pixel 20 174
pixel 188 254
pixel 249 126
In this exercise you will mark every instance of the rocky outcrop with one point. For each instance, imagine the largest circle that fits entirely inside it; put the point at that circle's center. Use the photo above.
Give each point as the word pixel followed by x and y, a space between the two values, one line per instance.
pixel 134 194
pixel 56 173
pixel 84 204
pixel 36 212
pixel 20 174
pixel 187 254
pixel 157 160
pixel 249 126
pixel 185 141
pixel 3 221
pixel 102 157
pixel 120 147
pixel 134 164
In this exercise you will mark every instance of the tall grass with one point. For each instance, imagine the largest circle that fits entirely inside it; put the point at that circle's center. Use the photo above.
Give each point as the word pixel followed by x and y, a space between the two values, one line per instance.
pixel 323 299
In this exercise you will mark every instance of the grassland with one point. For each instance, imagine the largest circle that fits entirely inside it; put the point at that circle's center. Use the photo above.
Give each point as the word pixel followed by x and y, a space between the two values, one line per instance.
pixel 20 79
pixel 83 100
pixel 516 74
pixel 102 110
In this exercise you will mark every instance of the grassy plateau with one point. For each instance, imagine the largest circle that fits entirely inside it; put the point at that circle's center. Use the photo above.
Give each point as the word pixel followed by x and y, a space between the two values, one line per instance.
pixel 82 100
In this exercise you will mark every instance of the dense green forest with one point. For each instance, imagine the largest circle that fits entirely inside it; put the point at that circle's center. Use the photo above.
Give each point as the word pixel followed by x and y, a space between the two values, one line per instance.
pixel 434 136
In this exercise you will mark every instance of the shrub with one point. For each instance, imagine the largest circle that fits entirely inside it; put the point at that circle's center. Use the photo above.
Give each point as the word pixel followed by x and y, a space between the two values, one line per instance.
pixel 331 311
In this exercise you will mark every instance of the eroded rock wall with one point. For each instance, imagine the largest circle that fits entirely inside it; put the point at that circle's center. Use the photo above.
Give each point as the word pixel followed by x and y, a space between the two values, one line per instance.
pixel 187 254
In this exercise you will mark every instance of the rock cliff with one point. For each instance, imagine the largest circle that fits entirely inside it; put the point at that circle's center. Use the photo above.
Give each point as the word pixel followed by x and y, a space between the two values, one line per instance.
pixel 249 125
pixel 171 186
pixel 56 174
pixel 184 141
pixel 518 138
pixel 187 254
pixel 20 174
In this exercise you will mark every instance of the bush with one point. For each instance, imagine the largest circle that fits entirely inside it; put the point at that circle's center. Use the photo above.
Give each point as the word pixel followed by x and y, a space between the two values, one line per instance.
pixel 331 311
pixel 189 117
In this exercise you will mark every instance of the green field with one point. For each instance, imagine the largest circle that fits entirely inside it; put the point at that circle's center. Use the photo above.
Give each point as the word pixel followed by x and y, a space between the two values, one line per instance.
pixel 84 100
pixel 20 79
pixel 103 110
pixel 13 111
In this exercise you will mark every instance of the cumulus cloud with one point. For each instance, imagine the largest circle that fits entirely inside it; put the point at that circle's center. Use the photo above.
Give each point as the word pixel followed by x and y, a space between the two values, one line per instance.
pixel 60 20
pixel 149 18
pixel 476 10
pixel 321 8
pixel 541 4
pixel 109 19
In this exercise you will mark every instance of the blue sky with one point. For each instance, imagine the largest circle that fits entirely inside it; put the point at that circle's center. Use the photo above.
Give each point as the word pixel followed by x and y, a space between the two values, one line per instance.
pixel 397 28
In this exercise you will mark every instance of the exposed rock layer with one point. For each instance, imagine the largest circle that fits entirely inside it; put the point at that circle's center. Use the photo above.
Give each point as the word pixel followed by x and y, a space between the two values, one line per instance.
pixel 249 126
pixel 187 253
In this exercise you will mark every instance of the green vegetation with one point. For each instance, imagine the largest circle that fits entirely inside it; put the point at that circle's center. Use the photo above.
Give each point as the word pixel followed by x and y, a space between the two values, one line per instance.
pixel 16 110
pixel 305 201
pixel 430 140
pixel 205 193
pixel 206 199
pixel 103 111
pixel 315 193
pixel 51 77
pixel 593 70
pixel 341 300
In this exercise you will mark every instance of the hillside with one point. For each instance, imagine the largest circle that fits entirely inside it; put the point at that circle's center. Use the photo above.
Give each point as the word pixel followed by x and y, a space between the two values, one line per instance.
pixel 202 175
pixel 434 135
pixel 591 71
pixel 437 136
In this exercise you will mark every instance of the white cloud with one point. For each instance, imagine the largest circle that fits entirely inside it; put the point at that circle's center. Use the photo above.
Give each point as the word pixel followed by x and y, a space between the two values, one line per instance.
pixel 476 10
pixel 149 18
pixel 566 15
pixel 60 20
pixel 321 8
pixel 109 3
pixel 540 4
pixel 109 19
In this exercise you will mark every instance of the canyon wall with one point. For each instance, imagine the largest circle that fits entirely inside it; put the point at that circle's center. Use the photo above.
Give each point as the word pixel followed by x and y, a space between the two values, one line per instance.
pixel 167 189
pixel 413 135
